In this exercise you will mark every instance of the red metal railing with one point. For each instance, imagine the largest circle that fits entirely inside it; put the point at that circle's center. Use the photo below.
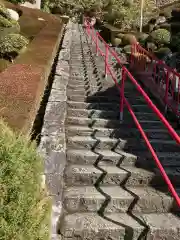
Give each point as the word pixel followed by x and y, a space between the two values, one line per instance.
pixel 158 77
pixel 126 75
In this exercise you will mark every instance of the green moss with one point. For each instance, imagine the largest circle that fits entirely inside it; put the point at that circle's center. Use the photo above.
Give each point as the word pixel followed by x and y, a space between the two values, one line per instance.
pixel 161 36
pixel 12 43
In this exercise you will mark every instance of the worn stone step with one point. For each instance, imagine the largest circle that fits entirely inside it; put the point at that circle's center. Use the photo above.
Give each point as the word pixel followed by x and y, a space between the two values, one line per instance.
pixel 116 199
pixel 84 156
pixel 117 133
pixel 101 106
pixel 77 175
pixel 120 226
pixel 91 142
pixel 91 226
pixel 112 123
pixel 105 97
pixel 109 114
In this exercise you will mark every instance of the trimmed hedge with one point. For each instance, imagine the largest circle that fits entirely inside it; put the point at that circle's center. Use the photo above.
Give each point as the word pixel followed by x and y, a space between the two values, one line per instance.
pixel 25 207
pixel 12 44
pixel 23 83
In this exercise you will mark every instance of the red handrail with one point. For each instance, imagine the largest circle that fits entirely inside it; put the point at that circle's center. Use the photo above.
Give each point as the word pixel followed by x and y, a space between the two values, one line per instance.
pixel 171 78
pixel 125 72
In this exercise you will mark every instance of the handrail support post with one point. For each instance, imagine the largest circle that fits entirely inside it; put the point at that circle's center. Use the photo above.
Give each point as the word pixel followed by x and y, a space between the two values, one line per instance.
pixel 96 45
pixel 106 61
pixel 121 107
pixel 166 92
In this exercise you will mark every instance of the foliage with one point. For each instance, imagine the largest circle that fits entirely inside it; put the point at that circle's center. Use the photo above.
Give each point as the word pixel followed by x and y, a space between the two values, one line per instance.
pixel 4 13
pixel 21 1
pixel 12 43
pixel 4 22
pixel 162 52
pixel 125 12
pixel 161 36
pixel 24 205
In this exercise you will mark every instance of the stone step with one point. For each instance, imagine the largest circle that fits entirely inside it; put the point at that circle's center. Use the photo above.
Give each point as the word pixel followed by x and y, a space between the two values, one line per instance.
pixel 104 105
pixel 91 226
pixel 90 142
pixel 108 114
pixel 119 226
pixel 111 124
pixel 77 175
pixel 116 133
pixel 97 98
pixel 84 156
pixel 116 199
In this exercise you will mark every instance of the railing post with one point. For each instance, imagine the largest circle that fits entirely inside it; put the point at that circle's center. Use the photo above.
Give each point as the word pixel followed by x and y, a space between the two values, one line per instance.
pixel 97 45
pixel 132 55
pixel 121 107
pixel 106 60
pixel 166 92
pixel 92 34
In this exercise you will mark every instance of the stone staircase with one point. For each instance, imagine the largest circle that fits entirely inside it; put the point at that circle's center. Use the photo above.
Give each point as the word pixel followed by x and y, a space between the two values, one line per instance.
pixel 113 189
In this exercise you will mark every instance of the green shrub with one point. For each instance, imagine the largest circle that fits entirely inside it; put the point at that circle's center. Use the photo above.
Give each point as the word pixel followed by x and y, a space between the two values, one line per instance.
pixel 4 22
pixel 14 28
pixel 4 13
pixel 128 3
pixel 24 205
pixel 12 43
pixel 161 36
pixel 142 36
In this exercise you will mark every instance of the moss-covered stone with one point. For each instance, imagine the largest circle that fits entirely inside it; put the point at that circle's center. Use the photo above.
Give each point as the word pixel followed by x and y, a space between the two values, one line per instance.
pixel 151 46
pixel 127 49
pixel 120 35
pixel 116 42
pixel 128 39
pixel 148 28
pixel 12 43
pixel 162 52
pixel 161 36
pixel 142 37
pixel 166 26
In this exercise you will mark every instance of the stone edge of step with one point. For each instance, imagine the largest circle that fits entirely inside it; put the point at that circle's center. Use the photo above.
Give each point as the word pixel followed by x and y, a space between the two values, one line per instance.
pixel 53 146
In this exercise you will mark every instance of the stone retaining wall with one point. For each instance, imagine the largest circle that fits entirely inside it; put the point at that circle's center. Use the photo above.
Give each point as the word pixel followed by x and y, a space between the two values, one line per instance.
pixel 53 144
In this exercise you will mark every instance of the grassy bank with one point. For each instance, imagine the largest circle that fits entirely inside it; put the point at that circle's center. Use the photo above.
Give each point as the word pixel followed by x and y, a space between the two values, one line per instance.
pixel 24 206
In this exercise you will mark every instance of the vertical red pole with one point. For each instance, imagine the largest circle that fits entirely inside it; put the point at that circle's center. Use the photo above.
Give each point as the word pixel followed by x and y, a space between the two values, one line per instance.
pixel 166 92
pixel 92 34
pixel 106 60
pixel 97 44
pixel 132 52
pixel 178 92
pixel 121 107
